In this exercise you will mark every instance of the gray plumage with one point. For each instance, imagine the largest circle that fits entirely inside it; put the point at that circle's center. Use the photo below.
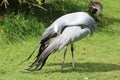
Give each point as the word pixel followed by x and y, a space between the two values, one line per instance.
pixel 71 19
pixel 63 31
pixel 69 35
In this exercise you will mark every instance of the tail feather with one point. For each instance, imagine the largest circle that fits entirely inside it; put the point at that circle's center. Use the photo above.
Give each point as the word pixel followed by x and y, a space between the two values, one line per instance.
pixel 43 56
pixel 41 49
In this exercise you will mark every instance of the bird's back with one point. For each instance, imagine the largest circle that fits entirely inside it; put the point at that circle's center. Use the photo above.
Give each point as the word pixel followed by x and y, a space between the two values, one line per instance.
pixel 72 19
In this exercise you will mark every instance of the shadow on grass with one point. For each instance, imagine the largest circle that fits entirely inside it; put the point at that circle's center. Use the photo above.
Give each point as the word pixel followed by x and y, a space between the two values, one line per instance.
pixel 106 21
pixel 104 25
pixel 85 67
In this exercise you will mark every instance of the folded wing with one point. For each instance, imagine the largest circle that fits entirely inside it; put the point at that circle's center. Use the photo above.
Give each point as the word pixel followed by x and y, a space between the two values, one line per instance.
pixel 70 34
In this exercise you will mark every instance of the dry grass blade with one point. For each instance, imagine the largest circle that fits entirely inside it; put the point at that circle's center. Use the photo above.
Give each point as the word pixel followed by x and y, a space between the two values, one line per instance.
pixel 36 5
pixel 5 3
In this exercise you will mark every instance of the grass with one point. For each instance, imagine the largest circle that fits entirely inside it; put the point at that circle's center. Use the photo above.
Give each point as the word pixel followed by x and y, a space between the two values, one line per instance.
pixel 96 57
pixel 17 27
pixel 32 21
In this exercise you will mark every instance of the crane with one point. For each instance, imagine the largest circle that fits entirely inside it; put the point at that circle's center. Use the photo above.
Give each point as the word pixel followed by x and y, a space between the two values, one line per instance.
pixel 63 31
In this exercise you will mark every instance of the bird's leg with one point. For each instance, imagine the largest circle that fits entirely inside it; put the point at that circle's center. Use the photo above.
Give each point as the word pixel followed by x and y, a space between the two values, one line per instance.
pixel 64 58
pixel 72 50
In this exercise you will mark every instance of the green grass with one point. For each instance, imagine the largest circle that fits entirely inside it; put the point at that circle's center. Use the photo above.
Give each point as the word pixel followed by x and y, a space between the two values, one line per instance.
pixel 32 21
pixel 96 57
pixel 17 27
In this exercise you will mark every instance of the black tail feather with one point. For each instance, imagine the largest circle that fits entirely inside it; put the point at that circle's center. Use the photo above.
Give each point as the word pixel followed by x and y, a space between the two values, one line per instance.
pixel 41 49
pixel 42 63
pixel 40 60
pixel 38 64
pixel 45 50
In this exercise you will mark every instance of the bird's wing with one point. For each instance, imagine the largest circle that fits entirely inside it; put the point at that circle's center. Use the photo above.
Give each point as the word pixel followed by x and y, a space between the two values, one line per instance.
pixel 69 34
pixel 73 19
pixel 49 32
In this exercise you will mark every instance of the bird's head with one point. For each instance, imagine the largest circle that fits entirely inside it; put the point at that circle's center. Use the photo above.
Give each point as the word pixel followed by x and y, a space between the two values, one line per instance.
pixel 95 7
pixel 93 11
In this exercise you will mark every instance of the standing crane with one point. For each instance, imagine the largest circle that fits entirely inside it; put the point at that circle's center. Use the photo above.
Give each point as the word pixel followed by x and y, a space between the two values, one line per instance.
pixel 63 31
